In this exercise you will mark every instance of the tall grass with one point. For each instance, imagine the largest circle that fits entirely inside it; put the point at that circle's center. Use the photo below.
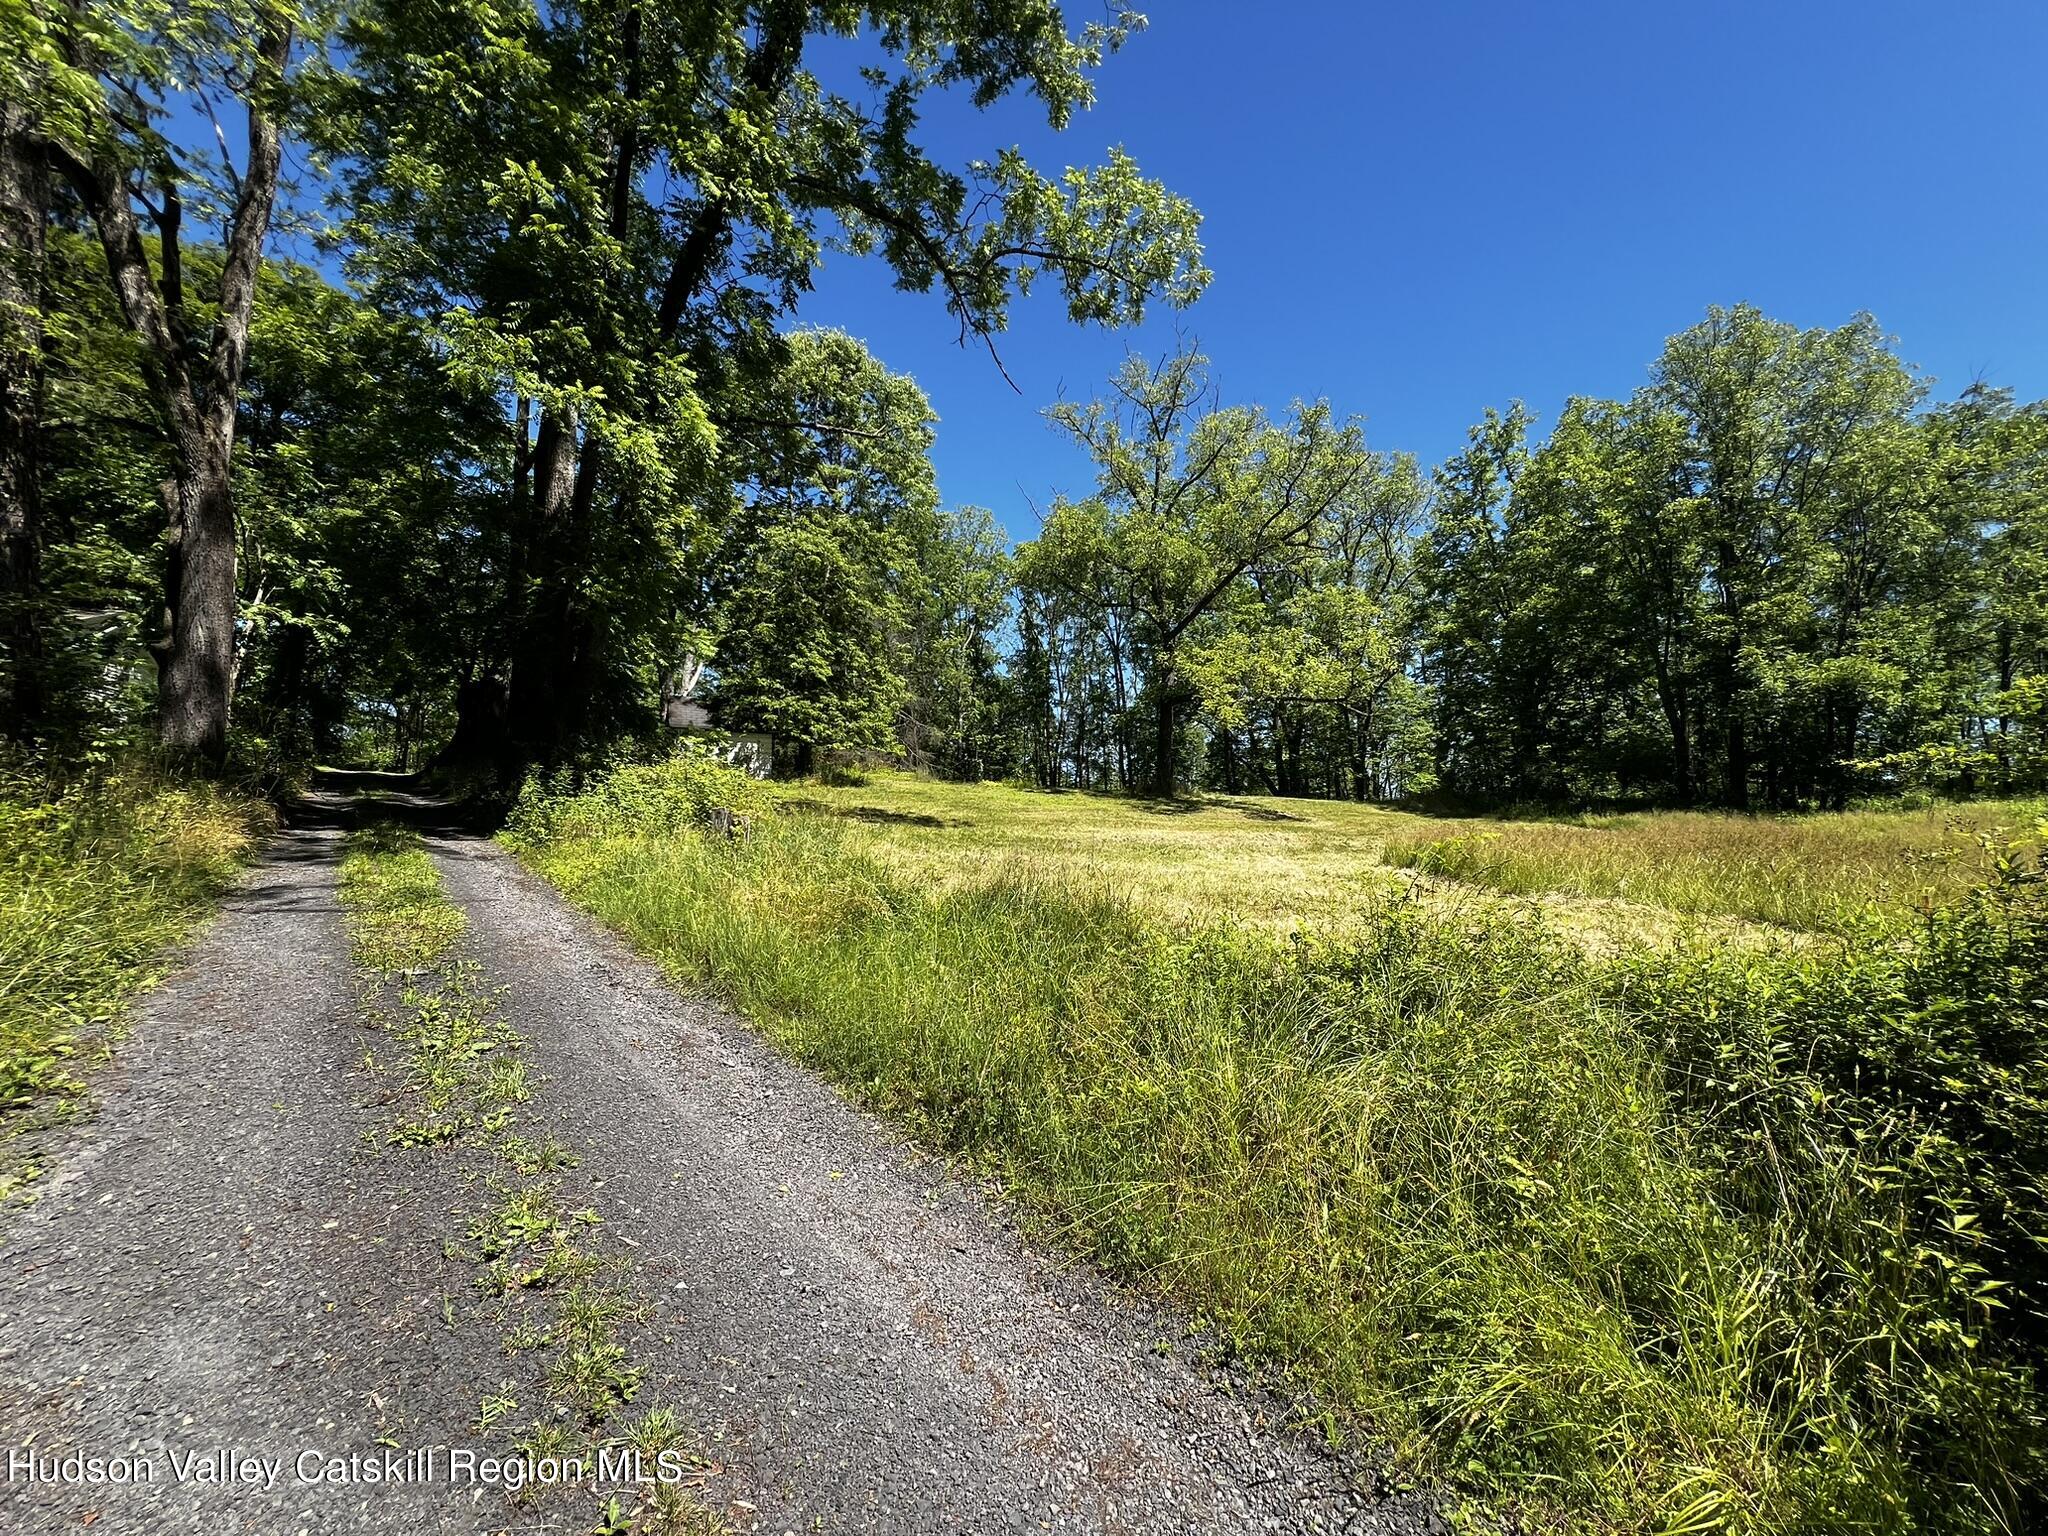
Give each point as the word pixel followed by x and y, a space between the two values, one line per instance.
pixel 1816 873
pixel 95 880
pixel 1436 1171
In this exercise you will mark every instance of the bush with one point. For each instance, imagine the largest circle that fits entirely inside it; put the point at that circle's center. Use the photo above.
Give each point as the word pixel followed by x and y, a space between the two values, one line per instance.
pixel 649 799
pixel 1877 1108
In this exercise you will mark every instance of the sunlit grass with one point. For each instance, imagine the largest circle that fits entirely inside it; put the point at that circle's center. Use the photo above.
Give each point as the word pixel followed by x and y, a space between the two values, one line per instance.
pixel 95 883
pixel 1430 1163
pixel 1262 860
pixel 1286 863
pixel 1812 872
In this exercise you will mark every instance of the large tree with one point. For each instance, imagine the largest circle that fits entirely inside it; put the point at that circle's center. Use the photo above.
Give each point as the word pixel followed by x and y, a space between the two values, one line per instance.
pixel 1772 416
pixel 108 77
pixel 612 210
pixel 1319 648
pixel 24 210
pixel 1191 500
pixel 821 566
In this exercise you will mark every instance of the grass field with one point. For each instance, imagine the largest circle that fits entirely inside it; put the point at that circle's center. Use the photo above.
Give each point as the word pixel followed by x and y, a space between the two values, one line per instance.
pixel 1309 863
pixel 1678 1238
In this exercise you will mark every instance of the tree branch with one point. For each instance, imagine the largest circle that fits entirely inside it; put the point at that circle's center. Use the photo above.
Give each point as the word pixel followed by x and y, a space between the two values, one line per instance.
pixel 251 223
pixel 770 65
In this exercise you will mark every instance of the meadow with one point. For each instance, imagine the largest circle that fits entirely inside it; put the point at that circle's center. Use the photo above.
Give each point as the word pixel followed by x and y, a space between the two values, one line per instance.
pixel 1311 863
pixel 1667 1236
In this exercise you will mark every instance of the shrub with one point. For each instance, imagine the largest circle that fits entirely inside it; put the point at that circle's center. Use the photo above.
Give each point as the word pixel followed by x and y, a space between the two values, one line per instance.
pixel 1877 1107
pixel 648 799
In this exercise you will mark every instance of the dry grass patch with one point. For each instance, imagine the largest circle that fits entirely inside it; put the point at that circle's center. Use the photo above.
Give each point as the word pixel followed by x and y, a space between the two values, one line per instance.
pixel 1814 872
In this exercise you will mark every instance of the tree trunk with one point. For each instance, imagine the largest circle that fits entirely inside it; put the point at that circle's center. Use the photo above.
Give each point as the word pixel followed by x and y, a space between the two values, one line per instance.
pixel 541 717
pixel 1681 755
pixel 1738 761
pixel 1165 745
pixel 1671 698
pixel 24 202
pixel 196 392
pixel 480 733
pixel 195 650
pixel 2006 672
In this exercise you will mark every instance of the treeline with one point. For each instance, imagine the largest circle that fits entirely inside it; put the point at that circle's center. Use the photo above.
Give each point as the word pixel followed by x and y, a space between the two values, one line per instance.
pixel 1771 577
pixel 544 436
pixel 1774 577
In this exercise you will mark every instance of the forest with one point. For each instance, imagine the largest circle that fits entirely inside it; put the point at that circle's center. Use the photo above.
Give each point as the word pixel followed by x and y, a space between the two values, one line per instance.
pixel 541 431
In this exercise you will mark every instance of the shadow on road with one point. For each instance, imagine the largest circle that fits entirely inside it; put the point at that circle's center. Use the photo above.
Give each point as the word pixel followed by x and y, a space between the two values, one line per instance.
pixel 347 798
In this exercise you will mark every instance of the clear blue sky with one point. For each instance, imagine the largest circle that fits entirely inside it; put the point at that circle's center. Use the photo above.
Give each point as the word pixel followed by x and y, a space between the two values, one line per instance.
pixel 1420 208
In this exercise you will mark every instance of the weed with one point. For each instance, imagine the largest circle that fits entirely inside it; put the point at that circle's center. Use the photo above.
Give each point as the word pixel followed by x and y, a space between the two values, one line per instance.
pixel 495 1406
pixel 96 881
pixel 465 1075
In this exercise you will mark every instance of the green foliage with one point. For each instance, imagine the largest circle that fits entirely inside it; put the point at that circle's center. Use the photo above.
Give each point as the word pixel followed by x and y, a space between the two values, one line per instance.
pixel 607 218
pixel 1203 517
pixel 1615 1245
pixel 823 571
pixel 1881 1107
pixel 656 799
pixel 96 879
pixel 1762 577
pixel 808 655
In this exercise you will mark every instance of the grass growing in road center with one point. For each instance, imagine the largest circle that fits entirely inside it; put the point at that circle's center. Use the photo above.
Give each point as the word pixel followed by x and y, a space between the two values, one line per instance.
pixel 1441 1170
pixel 537 1263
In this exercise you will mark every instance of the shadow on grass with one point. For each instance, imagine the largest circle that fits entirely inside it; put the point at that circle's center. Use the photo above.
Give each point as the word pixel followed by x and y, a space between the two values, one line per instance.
pixel 1184 805
pixel 875 815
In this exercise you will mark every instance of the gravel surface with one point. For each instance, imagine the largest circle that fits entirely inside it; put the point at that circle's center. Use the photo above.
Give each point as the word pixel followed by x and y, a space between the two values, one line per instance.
pixel 223 1257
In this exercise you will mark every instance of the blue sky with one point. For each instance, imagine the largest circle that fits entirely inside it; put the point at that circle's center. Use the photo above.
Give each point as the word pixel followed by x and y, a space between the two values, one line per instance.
pixel 1420 208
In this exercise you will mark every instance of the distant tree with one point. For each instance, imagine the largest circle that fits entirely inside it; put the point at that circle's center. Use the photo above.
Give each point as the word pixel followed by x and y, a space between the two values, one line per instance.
pixel 1773 415
pixel 1321 645
pixel 829 558
pixel 1762 577
pixel 955 716
pixel 806 654
pixel 1468 607
pixel 1190 501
